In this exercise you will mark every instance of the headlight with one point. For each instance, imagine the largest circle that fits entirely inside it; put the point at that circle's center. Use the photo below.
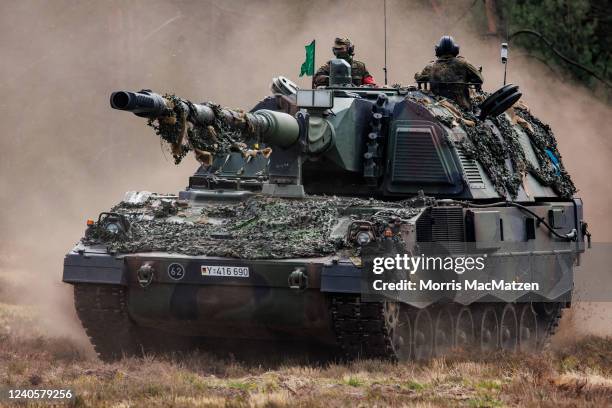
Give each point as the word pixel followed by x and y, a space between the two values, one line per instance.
pixel 360 233
pixel 112 228
pixel 113 223
pixel 363 238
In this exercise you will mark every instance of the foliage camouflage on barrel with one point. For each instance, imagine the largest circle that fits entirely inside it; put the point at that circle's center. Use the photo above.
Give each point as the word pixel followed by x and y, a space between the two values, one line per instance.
pixel 184 136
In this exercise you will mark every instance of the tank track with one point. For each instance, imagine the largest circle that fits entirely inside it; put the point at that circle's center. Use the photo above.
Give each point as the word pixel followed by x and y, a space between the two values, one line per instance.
pixel 102 310
pixel 551 325
pixel 361 329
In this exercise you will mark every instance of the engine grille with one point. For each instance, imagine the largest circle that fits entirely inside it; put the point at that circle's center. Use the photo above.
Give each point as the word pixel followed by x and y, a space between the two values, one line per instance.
pixel 417 158
pixel 470 169
pixel 445 226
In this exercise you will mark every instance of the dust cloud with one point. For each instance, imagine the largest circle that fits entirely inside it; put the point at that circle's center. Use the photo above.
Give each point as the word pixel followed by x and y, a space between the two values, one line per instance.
pixel 66 156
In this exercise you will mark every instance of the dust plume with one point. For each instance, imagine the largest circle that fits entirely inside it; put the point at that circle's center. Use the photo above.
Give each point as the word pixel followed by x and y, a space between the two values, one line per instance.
pixel 66 156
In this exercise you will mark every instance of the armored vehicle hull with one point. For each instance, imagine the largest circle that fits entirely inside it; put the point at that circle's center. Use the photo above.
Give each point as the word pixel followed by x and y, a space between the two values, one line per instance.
pixel 279 245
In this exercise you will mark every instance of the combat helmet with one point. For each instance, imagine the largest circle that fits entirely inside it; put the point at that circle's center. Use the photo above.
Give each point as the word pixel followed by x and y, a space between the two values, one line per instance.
pixel 342 44
pixel 447 46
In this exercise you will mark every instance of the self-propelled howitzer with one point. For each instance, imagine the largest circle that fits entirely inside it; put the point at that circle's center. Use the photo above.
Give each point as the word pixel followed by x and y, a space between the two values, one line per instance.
pixel 277 234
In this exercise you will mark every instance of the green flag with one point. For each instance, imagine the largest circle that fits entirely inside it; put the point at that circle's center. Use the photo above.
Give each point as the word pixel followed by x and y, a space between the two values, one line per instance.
pixel 309 64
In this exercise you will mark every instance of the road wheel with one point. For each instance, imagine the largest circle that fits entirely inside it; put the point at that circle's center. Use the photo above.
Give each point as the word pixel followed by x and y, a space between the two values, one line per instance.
pixel 443 332
pixel 423 335
pixel 488 330
pixel 508 330
pixel 528 328
pixel 403 335
pixel 464 329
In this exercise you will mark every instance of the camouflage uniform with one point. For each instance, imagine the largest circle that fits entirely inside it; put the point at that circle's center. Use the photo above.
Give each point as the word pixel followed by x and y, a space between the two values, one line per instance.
pixel 358 71
pixel 443 75
pixel 343 48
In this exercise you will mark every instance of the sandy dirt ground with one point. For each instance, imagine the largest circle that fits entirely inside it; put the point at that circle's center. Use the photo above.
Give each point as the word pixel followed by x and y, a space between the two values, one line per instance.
pixel 579 374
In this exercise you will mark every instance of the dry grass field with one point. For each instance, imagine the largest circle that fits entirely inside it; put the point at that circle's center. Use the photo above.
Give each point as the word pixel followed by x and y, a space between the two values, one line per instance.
pixel 580 374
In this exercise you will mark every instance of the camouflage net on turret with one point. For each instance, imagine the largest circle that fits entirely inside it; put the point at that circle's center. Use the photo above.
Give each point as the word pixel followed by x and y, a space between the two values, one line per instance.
pixel 205 141
pixel 260 227
pixel 483 145
pixel 542 139
pixel 493 150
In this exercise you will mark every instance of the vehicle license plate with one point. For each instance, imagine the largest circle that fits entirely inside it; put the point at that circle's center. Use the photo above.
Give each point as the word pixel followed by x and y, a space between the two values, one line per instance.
pixel 224 270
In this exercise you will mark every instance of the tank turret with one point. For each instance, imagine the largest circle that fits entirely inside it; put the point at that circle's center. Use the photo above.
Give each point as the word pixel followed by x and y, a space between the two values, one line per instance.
pixel 382 142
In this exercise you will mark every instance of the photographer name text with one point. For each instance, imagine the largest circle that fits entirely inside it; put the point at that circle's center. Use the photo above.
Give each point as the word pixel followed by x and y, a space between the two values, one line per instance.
pixel 430 285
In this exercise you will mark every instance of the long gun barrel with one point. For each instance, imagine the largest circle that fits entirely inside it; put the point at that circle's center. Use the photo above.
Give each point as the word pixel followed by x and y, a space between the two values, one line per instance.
pixel 273 127
pixel 144 103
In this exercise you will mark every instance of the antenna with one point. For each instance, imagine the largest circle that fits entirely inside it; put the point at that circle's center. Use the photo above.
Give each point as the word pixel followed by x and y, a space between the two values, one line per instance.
pixel 385 16
pixel 504 59
pixel 504 50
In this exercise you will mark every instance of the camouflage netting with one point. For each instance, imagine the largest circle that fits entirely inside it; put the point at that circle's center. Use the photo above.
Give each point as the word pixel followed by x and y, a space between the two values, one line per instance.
pixel 483 145
pixel 205 141
pixel 260 227
pixel 492 151
pixel 543 139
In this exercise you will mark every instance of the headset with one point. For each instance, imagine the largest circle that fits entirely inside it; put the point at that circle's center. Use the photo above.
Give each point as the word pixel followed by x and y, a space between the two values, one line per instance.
pixel 350 49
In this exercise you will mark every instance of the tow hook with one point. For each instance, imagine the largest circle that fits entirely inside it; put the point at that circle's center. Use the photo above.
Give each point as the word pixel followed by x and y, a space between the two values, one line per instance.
pixel 298 279
pixel 145 275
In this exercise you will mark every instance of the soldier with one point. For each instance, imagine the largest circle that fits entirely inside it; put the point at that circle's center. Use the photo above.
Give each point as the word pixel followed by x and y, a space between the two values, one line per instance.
pixel 344 49
pixel 450 74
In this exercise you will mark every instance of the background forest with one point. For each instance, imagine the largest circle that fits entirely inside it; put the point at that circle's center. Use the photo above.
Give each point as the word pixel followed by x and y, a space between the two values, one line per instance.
pixel 576 34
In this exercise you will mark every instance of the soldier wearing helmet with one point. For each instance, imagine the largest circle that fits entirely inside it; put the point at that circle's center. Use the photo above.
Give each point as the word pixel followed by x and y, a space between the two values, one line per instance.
pixel 450 75
pixel 344 49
